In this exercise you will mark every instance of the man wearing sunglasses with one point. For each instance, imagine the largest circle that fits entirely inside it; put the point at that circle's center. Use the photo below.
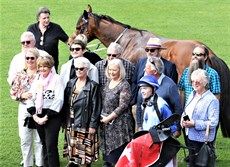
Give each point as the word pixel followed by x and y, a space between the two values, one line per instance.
pixel 68 71
pixel 114 51
pixel 153 48
pixel 17 64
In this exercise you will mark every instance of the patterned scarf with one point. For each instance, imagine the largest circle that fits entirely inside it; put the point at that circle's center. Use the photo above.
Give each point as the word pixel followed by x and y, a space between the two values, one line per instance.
pixel 43 83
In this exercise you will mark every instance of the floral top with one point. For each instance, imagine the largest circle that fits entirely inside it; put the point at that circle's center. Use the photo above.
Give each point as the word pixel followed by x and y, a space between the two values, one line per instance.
pixel 22 84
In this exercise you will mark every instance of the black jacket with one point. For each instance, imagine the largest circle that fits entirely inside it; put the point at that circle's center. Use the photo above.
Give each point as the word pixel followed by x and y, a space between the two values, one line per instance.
pixel 87 107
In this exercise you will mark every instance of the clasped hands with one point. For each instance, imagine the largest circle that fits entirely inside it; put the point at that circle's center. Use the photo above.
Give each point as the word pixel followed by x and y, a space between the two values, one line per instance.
pixel 40 121
pixel 187 124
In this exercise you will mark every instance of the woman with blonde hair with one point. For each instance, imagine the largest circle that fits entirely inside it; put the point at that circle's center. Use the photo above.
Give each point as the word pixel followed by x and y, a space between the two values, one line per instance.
pixel 117 128
pixel 20 92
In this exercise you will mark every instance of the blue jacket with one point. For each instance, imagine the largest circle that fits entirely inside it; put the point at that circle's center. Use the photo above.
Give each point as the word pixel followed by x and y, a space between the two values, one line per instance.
pixel 206 109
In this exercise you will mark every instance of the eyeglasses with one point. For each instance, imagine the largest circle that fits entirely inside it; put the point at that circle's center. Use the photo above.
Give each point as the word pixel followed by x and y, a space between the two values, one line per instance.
pixel 25 42
pixel 198 54
pixel 79 69
pixel 31 58
pixel 150 50
pixel 113 55
pixel 196 82
pixel 72 49
pixel 42 40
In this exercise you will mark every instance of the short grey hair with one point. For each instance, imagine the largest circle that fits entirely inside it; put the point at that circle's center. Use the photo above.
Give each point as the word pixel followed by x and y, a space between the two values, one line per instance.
pixel 118 63
pixel 204 76
pixel 116 47
pixel 157 63
pixel 27 33
pixel 83 60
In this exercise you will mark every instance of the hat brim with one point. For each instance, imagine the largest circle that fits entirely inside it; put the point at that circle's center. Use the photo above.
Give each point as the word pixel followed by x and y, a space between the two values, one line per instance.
pixel 155 47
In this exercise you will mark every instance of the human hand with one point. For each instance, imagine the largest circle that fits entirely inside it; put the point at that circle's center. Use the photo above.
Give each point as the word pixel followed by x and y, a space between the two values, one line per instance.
pixel 40 121
pixel 188 124
pixel 177 133
pixel 26 95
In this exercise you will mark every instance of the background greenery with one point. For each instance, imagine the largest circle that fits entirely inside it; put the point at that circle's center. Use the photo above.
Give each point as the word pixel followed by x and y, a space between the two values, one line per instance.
pixel 207 21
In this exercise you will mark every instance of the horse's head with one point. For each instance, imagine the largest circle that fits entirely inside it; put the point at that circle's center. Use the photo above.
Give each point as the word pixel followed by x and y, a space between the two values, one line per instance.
pixel 84 25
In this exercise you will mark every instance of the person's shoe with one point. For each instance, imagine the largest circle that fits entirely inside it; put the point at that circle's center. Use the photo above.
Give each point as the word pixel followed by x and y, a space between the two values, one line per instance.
pixel 186 159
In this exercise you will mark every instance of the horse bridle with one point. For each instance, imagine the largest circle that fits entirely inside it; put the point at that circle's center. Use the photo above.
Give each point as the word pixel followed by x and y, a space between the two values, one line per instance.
pixel 85 25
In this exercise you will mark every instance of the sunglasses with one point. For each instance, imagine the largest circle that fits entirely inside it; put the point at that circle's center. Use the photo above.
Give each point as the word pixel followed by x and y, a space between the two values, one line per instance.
pixel 31 58
pixel 198 54
pixel 153 63
pixel 196 82
pixel 72 49
pixel 113 55
pixel 25 42
pixel 79 69
pixel 150 50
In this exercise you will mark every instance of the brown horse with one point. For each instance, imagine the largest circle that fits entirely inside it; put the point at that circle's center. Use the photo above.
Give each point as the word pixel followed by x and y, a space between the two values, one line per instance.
pixel 133 40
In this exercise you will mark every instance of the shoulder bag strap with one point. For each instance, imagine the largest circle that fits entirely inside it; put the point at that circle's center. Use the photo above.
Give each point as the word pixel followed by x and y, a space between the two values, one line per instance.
pixel 207 131
pixel 156 107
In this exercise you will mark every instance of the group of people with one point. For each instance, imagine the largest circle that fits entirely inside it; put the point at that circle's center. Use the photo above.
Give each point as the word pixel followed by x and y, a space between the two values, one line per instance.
pixel 92 98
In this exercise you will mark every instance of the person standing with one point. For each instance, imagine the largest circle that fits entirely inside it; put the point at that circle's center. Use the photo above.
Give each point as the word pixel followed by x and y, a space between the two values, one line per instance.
pixel 91 56
pixel 114 51
pixel 201 108
pixel 45 105
pixel 20 92
pixel 77 49
pixel 152 48
pixel 167 89
pixel 117 128
pixel 48 34
pixel 81 111
pixel 17 64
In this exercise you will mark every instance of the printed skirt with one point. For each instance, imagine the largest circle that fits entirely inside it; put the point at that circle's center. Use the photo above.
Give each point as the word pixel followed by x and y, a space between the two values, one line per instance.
pixel 80 147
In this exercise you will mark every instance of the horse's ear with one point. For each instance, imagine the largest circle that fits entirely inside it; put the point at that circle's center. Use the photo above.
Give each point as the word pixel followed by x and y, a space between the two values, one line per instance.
pixel 89 10
pixel 85 15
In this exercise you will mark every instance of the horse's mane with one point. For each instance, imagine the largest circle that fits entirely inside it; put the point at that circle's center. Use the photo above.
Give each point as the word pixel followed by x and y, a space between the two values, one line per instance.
pixel 98 18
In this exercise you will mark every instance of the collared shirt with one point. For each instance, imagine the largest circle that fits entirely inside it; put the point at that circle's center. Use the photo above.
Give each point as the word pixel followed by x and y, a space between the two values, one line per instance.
pixel 51 37
pixel 186 86
pixel 101 66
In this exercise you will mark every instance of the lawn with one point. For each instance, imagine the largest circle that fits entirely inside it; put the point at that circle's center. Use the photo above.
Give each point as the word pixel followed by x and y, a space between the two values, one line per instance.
pixel 206 21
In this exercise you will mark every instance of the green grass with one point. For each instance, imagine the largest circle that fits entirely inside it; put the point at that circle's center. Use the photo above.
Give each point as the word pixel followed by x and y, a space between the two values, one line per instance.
pixel 206 21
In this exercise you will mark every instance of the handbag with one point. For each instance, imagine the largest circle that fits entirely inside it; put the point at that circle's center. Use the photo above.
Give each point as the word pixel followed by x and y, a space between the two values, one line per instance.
pixel 30 123
pixel 206 156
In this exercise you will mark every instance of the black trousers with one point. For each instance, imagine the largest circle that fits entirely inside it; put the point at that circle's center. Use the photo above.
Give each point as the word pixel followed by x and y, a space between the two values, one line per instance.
pixel 196 148
pixel 49 136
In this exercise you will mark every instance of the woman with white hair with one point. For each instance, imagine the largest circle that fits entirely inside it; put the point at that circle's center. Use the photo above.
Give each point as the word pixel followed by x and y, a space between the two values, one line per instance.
pixel 202 108
pixel 117 128
pixel 81 114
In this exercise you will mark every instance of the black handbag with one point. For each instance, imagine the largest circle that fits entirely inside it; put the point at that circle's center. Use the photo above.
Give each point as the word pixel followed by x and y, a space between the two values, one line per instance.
pixel 206 156
pixel 30 123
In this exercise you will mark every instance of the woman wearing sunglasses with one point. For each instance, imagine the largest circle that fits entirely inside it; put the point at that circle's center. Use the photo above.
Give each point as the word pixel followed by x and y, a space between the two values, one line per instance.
pixel 77 49
pixel 81 113
pixel 20 92
pixel 45 105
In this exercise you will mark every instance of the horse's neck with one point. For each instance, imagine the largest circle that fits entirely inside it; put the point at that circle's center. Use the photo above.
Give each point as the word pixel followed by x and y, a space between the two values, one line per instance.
pixel 108 32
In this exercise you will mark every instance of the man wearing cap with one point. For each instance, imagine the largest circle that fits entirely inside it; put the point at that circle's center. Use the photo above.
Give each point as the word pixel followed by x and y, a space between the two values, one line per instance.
pixel 153 48
pixel 153 115
pixel 114 51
